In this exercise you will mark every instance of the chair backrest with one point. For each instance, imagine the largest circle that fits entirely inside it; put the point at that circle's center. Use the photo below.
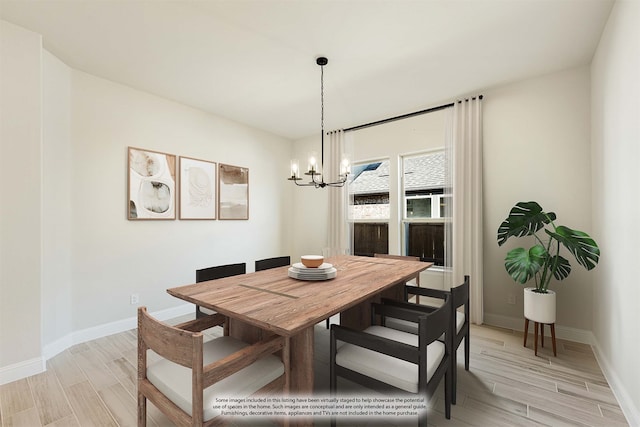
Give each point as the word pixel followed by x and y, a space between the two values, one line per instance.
pixel 437 318
pixel 154 335
pixel 460 294
pixel 220 271
pixel 267 263
pixel 402 257
pixel 438 323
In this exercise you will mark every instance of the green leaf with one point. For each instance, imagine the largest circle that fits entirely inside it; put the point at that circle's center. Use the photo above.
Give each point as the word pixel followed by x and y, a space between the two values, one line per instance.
pixel 579 243
pixel 522 265
pixel 563 269
pixel 524 219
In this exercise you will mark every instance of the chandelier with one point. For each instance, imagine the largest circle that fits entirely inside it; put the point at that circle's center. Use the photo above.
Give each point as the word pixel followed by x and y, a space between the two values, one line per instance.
pixel 314 169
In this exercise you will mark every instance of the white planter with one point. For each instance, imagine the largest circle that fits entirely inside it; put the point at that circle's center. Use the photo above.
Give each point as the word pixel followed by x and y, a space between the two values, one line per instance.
pixel 539 307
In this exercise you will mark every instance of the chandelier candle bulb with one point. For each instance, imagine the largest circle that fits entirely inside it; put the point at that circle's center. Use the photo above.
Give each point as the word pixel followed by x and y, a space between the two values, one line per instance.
pixel 345 166
pixel 313 162
pixel 295 170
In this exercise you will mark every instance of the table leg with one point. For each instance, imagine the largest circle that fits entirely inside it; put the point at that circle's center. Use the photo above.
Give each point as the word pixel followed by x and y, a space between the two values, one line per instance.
pixel 301 375
pixel 535 336
pixel 244 331
pixel 301 353
pixel 526 330
pixel 358 317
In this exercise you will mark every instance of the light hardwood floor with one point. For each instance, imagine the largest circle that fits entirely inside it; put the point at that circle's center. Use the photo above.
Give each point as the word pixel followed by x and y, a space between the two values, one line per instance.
pixel 93 384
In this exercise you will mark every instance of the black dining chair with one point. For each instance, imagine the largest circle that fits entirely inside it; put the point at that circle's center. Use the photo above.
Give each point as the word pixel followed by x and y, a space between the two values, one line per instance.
pixel 386 359
pixel 217 272
pixel 459 296
pixel 267 263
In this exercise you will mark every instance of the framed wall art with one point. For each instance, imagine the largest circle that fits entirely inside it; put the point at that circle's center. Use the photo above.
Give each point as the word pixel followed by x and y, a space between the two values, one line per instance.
pixel 151 185
pixel 233 192
pixel 197 189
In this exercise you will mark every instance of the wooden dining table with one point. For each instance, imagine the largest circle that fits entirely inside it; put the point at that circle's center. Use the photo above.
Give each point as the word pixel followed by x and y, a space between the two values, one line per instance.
pixel 270 302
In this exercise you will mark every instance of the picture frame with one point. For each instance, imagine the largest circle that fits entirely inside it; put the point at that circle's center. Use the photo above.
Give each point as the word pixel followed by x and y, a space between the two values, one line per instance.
pixel 197 189
pixel 233 192
pixel 151 185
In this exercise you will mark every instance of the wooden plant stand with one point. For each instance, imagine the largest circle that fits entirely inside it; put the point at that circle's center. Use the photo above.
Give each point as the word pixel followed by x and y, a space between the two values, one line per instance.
pixel 535 334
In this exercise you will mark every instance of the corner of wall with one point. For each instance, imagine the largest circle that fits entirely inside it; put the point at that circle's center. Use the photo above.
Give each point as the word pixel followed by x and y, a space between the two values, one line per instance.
pixel 618 388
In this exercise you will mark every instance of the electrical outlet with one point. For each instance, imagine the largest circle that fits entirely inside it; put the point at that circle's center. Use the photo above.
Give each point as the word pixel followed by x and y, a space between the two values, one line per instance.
pixel 135 299
pixel 511 299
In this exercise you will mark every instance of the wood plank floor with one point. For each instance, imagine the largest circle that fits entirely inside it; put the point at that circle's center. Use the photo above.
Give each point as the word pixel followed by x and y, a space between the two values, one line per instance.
pixel 93 384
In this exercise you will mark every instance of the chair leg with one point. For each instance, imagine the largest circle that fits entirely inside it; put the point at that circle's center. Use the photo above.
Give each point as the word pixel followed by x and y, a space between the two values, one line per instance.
pixel 553 338
pixel 142 410
pixel 454 374
pixel 526 330
pixel 535 336
pixel 447 396
pixel 226 327
pixel 467 352
pixel 199 313
pixel 333 382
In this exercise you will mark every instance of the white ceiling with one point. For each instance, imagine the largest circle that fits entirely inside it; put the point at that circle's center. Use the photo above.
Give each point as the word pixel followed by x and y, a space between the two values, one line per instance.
pixel 253 61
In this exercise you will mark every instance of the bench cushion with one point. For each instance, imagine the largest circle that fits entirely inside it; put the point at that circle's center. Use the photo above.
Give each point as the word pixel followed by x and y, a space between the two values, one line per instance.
pixel 174 381
pixel 396 372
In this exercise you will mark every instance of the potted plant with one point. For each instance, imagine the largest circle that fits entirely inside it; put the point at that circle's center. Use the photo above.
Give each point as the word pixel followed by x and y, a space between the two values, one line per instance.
pixel 543 262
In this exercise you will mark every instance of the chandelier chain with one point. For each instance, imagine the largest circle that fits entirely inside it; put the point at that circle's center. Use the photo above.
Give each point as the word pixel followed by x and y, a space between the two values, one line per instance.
pixel 322 99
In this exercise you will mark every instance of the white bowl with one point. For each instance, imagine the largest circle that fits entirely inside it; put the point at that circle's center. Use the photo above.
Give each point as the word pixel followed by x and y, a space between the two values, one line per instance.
pixel 312 261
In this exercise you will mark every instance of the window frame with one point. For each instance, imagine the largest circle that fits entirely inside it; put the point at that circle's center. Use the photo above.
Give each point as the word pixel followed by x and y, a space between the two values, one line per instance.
pixel 436 196
pixel 381 220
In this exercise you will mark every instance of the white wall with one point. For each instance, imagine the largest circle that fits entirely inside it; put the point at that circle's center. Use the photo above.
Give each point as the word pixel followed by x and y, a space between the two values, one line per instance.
pixel 310 207
pixel 57 309
pixel 616 206
pixel 537 147
pixel 113 257
pixel 66 240
pixel 21 206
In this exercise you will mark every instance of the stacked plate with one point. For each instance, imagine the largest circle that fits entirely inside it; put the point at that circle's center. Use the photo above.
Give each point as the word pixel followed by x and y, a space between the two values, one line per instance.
pixel 325 271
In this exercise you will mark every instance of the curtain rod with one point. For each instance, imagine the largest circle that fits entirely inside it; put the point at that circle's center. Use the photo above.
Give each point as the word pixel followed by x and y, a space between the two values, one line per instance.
pixel 404 116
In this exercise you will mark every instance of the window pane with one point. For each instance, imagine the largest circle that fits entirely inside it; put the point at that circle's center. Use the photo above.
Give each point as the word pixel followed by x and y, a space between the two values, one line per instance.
pixel 426 241
pixel 423 183
pixel 445 206
pixel 419 207
pixel 369 191
pixel 370 238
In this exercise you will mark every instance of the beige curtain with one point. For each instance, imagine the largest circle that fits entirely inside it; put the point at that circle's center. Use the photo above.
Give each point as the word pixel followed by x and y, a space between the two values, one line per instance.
pixel 338 239
pixel 464 149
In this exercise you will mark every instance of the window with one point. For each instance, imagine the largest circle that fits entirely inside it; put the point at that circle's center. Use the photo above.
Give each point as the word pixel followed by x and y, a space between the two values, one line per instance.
pixel 425 206
pixel 369 208
pixel 422 213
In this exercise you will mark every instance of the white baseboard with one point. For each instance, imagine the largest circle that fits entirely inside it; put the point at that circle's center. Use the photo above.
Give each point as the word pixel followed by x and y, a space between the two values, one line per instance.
pixel 21 370
pixel 628 406
pixel 562 332
pixel 118 326
pixel 37 365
